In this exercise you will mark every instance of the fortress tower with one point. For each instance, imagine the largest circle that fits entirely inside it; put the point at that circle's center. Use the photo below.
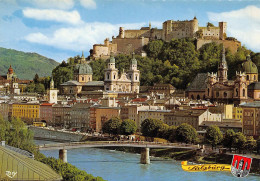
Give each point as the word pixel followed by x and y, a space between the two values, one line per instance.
pixel 222 30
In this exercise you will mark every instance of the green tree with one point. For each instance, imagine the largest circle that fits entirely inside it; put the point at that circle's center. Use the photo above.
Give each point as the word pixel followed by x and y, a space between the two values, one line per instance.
pixel 62 73
pixel 162 131
pixel 250 144
pixel 214 136
pixel 171 134
pixel 210 24
pixel 154 48
pixel 39 88
pixel 128 127
pixel 239 141
pixel 228 140
pixel 186 133
pixel 112 126
pixel 36 79
pixel 30 87
pixel 150 127
pixel 258 145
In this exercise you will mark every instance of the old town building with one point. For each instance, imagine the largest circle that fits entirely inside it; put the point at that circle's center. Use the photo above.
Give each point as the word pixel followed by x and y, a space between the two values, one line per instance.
pixel 217 88
pixel 251 118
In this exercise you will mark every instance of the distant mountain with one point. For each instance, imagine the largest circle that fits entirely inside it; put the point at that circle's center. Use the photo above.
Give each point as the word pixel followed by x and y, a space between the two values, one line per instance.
pixel 25 65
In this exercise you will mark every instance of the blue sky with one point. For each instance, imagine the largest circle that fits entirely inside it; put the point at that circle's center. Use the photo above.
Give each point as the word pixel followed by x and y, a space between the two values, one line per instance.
pixel 60 29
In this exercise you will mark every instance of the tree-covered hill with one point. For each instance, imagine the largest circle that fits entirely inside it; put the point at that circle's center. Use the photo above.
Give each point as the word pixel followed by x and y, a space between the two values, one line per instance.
pixel 25 65
pixel 176 62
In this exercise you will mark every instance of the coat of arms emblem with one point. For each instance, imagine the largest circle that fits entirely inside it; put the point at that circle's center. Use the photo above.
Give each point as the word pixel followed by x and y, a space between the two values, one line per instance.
pixel 240 166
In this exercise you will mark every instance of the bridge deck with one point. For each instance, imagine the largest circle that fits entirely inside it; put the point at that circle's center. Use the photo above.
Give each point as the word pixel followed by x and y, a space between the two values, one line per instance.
pixel 98 144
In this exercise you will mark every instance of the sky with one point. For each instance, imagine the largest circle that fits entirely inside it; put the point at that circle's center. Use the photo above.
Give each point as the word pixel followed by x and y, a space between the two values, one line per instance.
pixel 60 29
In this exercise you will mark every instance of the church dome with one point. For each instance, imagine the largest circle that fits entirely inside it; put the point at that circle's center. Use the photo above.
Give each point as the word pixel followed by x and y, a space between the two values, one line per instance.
pixel 112 59
pixel 83 69
pixel 249 67
pixel 10 70
pixel 133 61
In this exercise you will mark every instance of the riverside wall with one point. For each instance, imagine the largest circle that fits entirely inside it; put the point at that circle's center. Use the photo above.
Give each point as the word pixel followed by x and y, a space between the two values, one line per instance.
pixel 55 135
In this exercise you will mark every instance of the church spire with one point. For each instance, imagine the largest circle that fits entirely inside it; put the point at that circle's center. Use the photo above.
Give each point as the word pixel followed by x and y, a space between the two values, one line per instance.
pixel 223 68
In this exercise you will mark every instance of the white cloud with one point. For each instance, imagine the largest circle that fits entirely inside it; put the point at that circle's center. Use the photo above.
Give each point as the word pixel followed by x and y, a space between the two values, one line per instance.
pixel 60 4
pixel 243 24
pixel 71 17
pixel 89 4
pixel 80 37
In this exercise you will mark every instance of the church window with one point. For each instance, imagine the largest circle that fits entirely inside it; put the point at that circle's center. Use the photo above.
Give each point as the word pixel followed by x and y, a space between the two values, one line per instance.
pixel 225 94
pixel 82 78
pixel 244 92
pixel 107 75
pixel 114 76
pixel 217 94
pixel 247 77
pixel 198 97
pixel 192 97
pixel 208 91
pixel 236 91
pixel 89 78
pixel 136 77
pixel 254 77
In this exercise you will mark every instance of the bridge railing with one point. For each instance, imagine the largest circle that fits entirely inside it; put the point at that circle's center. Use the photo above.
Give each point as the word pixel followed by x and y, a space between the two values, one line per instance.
pixel 105 143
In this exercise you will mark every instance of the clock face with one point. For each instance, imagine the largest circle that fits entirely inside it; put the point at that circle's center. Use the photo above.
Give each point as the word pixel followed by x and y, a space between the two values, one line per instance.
pixel 53 94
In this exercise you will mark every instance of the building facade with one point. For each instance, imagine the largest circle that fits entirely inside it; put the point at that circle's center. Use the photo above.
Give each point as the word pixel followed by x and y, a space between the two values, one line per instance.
pixel 28 112
pixel 127 82
pixel 251 118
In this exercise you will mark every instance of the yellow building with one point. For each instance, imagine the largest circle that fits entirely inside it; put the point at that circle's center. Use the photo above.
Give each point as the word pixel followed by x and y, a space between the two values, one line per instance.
pixel 238 113
pixel 28 112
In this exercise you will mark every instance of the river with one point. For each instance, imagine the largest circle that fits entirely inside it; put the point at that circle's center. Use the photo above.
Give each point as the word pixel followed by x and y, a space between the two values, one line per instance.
pixel 120 166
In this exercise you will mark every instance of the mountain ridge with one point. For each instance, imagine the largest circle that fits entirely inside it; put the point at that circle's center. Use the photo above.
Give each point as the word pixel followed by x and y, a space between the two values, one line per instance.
pixel 25 64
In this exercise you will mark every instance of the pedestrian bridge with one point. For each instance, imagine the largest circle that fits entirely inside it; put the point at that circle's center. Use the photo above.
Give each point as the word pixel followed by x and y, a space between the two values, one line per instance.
pixel 145 159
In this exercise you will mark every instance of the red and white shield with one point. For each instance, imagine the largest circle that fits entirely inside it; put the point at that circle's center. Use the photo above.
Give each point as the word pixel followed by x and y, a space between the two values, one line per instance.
pixel 240 166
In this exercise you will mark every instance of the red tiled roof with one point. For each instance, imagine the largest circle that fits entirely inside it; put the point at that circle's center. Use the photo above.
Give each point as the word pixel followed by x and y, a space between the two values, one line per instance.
pixel 47 104
pixel 139 100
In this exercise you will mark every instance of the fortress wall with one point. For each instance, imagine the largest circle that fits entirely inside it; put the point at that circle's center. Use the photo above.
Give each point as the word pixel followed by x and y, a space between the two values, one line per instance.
pixel 232 45
pixel 156 34
pixel 127 45
pixel 178 29
pixel 211 32
pixel 99 50
pixel 137 33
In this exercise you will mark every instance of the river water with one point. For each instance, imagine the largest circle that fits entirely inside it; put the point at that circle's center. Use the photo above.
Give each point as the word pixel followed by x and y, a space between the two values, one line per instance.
pixel 120 166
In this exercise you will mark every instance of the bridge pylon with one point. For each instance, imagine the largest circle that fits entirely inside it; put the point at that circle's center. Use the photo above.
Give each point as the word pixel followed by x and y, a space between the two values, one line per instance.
pixel 145 156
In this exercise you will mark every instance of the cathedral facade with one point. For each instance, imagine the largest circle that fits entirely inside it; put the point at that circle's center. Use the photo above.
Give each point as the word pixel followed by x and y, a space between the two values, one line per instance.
pixel 126 82
pixel 217 88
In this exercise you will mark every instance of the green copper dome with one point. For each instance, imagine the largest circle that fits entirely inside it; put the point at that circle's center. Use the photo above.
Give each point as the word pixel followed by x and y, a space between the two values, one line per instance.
pixel 249 67
pixel 133 61
pixel 112 59
pixel 83 69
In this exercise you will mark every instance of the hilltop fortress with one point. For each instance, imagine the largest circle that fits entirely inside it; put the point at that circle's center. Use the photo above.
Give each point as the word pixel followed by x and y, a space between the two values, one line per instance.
pixel 133 40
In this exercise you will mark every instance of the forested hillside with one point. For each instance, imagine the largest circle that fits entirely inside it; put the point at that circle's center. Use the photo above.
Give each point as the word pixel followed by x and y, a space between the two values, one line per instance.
pixel 25 65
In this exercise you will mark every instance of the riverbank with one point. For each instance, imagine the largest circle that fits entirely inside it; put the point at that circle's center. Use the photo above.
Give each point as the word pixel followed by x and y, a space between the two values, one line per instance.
pixel 191 156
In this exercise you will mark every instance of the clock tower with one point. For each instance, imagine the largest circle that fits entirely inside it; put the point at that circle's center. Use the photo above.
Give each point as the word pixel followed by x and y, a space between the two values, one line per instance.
pixel 52 93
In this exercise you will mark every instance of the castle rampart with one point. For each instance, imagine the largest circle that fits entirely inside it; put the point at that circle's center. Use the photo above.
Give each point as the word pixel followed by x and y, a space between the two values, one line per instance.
pixel 133 40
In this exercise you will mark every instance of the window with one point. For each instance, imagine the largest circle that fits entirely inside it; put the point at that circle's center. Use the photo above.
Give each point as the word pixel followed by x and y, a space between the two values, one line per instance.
pixel 244 92
pixel 247 77
pixel 107 75
pixel 114 76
